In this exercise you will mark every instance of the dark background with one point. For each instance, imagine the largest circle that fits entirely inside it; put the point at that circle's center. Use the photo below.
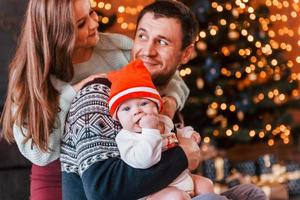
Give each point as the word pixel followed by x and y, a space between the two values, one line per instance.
pixel 14 168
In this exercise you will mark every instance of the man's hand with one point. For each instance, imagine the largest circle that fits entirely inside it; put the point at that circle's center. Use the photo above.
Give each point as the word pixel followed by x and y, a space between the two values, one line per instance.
pixel 81 83
pixel 191 150
pixel 169 106
pixel 196 137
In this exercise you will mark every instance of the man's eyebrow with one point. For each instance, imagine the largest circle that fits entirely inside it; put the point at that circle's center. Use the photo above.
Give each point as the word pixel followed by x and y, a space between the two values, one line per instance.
pixel 158 36
pixel 141 29
pixel 164 38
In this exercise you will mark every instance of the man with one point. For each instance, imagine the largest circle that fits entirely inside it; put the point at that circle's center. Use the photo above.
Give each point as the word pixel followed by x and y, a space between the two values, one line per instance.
pixel 103 175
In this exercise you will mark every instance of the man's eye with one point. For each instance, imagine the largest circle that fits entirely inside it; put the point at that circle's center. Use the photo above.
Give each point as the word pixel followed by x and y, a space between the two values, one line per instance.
pixel 163 43
pixel 141 36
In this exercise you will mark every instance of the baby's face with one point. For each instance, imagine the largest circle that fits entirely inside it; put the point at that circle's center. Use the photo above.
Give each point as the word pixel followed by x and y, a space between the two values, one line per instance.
pixel 131 111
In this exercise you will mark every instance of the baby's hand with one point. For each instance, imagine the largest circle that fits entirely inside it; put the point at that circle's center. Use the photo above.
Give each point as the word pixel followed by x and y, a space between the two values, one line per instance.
pixel 149 121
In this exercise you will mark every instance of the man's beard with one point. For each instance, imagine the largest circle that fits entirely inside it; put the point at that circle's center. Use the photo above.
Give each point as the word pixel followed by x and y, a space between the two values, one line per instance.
pixel 161 79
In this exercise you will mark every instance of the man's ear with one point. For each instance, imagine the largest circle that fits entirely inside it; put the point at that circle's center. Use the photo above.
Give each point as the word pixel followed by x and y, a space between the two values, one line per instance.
pixel 187 54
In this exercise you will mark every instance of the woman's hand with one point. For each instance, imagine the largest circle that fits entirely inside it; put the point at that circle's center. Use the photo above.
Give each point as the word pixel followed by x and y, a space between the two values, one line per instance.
pixel 81 83
pixel 169 106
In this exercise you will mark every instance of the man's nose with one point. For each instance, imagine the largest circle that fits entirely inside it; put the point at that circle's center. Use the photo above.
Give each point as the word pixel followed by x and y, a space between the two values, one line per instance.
pixel 149 49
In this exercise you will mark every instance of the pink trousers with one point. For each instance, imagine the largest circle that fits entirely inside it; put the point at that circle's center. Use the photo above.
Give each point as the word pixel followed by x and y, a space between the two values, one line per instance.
pixel 46 182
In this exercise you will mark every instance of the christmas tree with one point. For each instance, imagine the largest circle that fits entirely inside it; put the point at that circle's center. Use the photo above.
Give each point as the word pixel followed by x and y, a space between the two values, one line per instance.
pixel 241 85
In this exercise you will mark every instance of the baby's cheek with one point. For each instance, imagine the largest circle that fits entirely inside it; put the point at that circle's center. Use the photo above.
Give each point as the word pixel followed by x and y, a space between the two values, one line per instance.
pixel 154 110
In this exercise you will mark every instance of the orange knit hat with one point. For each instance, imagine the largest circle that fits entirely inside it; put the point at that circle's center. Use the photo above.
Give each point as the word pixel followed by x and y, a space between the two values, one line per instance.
pixel 131 81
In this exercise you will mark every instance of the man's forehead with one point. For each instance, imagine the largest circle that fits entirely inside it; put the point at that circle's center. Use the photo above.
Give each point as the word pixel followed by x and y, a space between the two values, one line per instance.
pixel 161 25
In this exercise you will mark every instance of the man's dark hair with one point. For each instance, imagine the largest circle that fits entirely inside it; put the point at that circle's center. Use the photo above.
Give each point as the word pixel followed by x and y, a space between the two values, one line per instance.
pixel 176 10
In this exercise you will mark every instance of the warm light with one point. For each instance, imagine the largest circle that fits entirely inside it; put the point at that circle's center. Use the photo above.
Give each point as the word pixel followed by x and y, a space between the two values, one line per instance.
pixel 261 96
pixel 270 142
pixel 216 133
pixel 281 97
pixel 270 95
pixel 258 44
pixel 263 74
pixel 200 83
pixel 235 127
pixel 229 132
pixel 244 32
pixel 206 139
pixel 124 25
pixel 107 6
pixel 120 20
pixel 201 45
pixel 286 140
pixel 93 4
pixel 261 134
pixel 202 34
pixel 101 4
pixel 214 4
pixel 294 14
pixel 295 93
pixel 223 22
pixel 252 133
pixel 219 91
pixel 225 51
pixel 248 70
pixel 250 38
pixel 232 26
pixel 271 33
pixel 121 9
pixel 228 6
pixel 250 10
pixel 213 32
pixel 274 62
pixel 219 8
pixel 252 16
pixel 105 20
pixel 223 106
pixel 232 108
pixel 238 74
pixel 214 105
pixel 188 70
pixel 268 127
pixel 131 26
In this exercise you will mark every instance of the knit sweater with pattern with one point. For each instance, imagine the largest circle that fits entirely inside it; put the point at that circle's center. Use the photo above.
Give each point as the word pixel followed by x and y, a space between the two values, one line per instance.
pixel 91 167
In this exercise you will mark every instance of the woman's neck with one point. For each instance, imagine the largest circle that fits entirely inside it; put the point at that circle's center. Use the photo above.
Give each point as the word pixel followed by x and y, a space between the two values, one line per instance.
pixel 82 55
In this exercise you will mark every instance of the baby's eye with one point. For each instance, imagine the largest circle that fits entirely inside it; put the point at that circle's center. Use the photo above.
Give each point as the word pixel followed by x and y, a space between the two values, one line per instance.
pixel 144 103
pixel 126 108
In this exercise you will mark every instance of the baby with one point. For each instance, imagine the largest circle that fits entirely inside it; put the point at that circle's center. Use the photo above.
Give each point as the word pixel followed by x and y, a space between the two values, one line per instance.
pixel 135 103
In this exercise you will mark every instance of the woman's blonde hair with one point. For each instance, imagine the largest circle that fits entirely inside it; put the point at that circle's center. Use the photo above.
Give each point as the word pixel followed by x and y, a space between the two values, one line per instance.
pixel 44 48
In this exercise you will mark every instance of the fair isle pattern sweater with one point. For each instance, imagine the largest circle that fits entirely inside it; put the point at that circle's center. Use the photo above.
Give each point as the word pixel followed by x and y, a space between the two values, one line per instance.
pixel 90 131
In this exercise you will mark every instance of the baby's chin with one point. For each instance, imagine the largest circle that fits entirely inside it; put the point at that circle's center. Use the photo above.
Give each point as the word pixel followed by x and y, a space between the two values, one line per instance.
pixel 136 129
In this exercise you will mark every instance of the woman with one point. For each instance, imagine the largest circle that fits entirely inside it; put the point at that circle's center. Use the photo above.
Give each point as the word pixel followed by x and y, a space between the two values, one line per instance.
pixel 58 46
